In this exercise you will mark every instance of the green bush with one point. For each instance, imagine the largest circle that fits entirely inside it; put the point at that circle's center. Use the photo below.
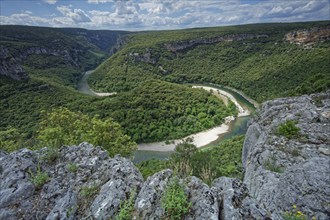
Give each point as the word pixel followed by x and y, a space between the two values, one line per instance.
pixel 175 201
pixel 150 167
pixel 206 163
pixel 89 191
pixel 72 167
pixel 39 178
pixel 126 208
pixel 10 139
pixel 289 129
pixel 295 214
pixel 50 155
pixel 64 127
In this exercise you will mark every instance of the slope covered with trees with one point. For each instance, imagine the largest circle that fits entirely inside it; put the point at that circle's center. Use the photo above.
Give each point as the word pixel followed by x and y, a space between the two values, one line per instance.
pixel 157 110
pixel 54 60
pixel 263 60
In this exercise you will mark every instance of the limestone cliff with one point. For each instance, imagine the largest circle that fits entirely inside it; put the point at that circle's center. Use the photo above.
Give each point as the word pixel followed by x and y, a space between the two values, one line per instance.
pixel 82 182
pixel 281 172
pixel 308 37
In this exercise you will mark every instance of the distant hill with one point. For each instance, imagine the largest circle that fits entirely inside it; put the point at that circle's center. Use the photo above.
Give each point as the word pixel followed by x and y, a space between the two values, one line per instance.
pixel 44 48
pixel 265 61
pixel 40 67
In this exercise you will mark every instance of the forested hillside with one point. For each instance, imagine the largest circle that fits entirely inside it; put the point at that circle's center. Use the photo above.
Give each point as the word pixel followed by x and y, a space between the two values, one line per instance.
pixel 40 68
pixel 263 60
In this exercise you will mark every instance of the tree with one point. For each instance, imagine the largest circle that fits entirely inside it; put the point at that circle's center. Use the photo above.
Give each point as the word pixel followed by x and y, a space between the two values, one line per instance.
pixel 64 127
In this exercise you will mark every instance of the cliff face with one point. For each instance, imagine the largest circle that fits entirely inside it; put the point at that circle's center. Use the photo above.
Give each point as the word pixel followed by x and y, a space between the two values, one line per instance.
pixel 182 45
pixel 308 37
pixel 281 172
pixel 10 66
pixel 84 183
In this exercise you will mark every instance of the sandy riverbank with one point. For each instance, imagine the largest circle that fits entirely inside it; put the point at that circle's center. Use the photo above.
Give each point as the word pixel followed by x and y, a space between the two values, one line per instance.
pixel 199 139
pixel 205 137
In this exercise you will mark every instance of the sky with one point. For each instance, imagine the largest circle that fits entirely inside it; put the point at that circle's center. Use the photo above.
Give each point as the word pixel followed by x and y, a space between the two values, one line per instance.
pixel 158 14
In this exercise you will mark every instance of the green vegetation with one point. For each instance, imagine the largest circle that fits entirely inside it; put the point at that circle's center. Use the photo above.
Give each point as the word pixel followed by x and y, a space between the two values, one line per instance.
pixel 157 110
pixel 207 164
pixel 39 178
pixel 271 165
pixel 72 167
pixel 50 155
pixel 63 127
pixel 150 109
pixel 150 167
pixel 89 191
pixel 175 201
pixel 126 208
pixel 263 67
pixel 54 60
pixel 10 139
pixel 288 129
pixel 295 214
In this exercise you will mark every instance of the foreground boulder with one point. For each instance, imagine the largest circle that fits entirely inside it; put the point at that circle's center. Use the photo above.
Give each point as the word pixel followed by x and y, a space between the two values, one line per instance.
pixel 82 182
pixel 282 171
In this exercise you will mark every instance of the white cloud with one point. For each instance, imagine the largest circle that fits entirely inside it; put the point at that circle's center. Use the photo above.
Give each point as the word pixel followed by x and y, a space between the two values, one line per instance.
pixel 172 14
pixel 51 2
pixel 99 1
pixel 24 19
pixel 77 15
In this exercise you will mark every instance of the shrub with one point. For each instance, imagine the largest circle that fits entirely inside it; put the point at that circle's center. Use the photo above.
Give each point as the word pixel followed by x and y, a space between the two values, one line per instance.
pixel 126 208
pixel 72 167
pixel 175 201
pixel 39 178
pixel 63 126
pixel 89 191
pixel 289 129
pixel 295 214
pixel 50 155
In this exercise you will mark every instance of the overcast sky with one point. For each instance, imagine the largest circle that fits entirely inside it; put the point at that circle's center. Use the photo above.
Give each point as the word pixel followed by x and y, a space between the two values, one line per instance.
pixel 158 14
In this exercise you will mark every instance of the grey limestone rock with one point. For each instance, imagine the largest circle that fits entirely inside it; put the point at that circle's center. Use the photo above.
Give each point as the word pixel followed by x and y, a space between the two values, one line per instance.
pixel 235 201
pixel 147 204
pixel 60 197
pixel 65 208
pixel 204 202
pixel 281 172
pixel 124 178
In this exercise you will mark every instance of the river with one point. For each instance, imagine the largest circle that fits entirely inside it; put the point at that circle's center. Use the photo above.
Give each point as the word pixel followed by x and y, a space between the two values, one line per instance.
pixel 209 138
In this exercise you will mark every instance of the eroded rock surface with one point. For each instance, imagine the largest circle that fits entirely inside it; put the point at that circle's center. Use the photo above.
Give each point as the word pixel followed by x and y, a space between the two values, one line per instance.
pixel 109 181
pixel 281 172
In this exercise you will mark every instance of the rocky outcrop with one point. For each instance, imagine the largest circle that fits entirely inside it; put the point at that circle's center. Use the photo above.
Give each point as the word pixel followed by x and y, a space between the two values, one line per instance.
pixel 151 57
pixel 146 57
pixel 10 67
pixel 183 45
pixel 308 37
pixel 83 182
pixel 281 172
pixel 11 62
